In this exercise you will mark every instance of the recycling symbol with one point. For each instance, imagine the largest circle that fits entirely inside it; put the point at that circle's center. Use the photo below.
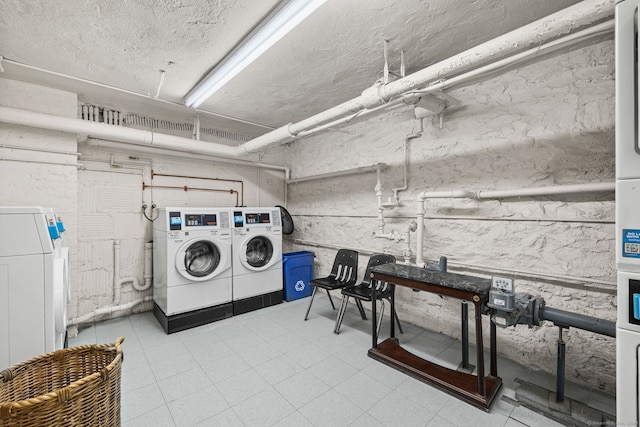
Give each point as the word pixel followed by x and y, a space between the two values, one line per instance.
pixel 299 286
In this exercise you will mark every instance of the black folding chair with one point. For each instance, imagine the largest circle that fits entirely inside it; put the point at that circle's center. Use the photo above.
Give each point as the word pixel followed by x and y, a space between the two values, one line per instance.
pixel 362 291
pixel 343 273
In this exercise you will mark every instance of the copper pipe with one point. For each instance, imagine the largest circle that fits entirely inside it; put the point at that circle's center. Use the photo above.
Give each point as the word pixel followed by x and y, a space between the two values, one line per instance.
pixel 209 179
pixel 186 188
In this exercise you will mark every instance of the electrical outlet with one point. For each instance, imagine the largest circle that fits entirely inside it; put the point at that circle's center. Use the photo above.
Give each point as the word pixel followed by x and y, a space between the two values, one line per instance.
pixel 502 283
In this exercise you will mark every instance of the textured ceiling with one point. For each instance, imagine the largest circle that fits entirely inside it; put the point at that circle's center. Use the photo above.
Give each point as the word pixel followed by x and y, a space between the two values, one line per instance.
pixel 331 57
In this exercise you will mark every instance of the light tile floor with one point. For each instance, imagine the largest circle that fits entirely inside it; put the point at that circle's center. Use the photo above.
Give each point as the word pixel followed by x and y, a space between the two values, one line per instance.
pixel 270 367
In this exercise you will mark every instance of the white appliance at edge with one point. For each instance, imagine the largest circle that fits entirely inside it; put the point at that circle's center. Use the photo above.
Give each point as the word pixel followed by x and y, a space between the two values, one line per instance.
pixel 257 258
pixel 34 283
pixel 191 266
pixel 627 214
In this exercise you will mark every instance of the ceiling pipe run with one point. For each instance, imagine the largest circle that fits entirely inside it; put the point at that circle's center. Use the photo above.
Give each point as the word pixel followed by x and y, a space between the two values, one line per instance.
pixel 115 133
pixel 583 14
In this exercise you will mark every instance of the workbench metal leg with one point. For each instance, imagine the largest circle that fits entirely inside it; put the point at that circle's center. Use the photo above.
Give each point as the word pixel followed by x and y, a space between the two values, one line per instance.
pixel 392 315
pixel 493 349
pixel 482 389
pixel 374 318
pixel 560 368
pixel 464 314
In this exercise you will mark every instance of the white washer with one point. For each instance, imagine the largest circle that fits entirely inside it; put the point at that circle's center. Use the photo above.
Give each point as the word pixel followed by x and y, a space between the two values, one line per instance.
pixel 34 283
pixel 257 258
pixel 191 267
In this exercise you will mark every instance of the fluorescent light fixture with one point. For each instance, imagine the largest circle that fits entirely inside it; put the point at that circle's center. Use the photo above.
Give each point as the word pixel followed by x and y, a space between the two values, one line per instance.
pixel 255 44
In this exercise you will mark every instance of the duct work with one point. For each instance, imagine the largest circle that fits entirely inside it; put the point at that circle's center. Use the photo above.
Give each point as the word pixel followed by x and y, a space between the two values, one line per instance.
pixel 527 42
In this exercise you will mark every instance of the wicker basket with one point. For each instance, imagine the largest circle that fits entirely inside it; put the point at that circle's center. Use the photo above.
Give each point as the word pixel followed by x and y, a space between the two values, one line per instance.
pixel 77 386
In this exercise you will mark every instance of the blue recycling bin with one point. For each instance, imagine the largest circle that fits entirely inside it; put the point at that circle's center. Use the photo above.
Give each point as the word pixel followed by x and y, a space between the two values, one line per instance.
pixel 297 268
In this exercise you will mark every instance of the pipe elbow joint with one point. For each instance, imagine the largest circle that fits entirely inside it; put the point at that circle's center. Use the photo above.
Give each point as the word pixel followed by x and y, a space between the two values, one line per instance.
pixel 373 96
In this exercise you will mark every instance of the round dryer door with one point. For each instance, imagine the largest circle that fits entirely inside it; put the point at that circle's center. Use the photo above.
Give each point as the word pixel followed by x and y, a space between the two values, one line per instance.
pixel 198 260
pixel 259 253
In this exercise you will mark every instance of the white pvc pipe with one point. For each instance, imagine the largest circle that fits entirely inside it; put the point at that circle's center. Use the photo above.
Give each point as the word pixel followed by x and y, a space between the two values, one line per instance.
pixel 353 118
pixel 547 191
pixel 108 310
pixel 117 285
pixel 190 155
pixel 7 159
pixel 537 274
pixel 96 142
pixel 461 265
pixel 579 15
pixel 354 171
pixel 453 194
pixel 378 190
pixel 498 194
pixel 405 181
pixel 116 133
pixel 117 280
pixel 148 269
pixel 40 150
pixel 413 226
pixel 533 35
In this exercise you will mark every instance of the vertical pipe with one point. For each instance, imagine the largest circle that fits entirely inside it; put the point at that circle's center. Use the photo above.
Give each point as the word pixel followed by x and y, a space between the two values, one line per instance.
pixel 420 232
pixel 442 264
pixel 148 264
pixel 560 369
pixel 116 273
pixel 378 190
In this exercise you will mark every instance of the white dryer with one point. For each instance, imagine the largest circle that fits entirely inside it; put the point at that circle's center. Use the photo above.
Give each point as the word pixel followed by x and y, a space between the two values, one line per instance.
pixel 191 267
pixel 257 258
pixel 34 283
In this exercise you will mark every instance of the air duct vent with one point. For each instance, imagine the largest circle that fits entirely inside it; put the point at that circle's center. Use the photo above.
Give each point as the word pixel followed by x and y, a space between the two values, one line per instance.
pixel 151 123
pixel 96 113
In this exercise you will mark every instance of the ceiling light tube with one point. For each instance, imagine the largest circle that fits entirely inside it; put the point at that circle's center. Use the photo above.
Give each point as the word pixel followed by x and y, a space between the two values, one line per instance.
pixel 259 41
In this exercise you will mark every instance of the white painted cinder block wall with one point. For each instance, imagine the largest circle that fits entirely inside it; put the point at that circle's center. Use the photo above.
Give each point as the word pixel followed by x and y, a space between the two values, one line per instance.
pixel 543 124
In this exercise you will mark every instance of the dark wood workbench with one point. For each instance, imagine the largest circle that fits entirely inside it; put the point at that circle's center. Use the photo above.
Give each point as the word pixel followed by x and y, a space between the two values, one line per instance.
pixel 479 390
